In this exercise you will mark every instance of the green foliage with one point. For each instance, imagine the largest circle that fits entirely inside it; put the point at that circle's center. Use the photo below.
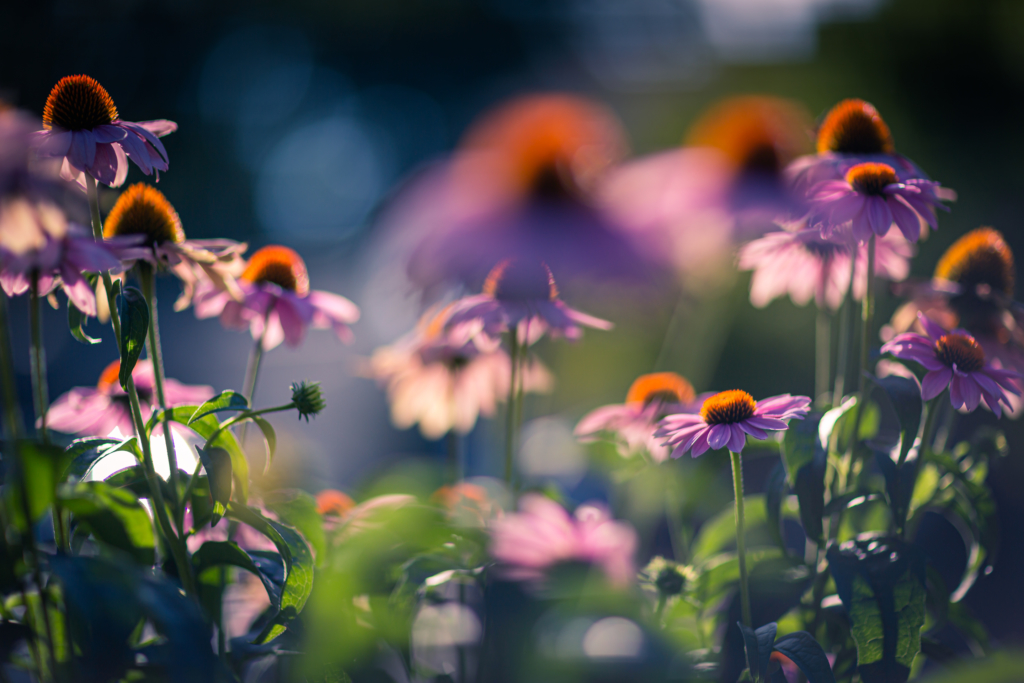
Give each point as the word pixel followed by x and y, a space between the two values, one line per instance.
pixel 806 456
pixel 39 469
pixel 77 319
pixel 224 401
pixel 113 516
pixel 217 463
pixel 209 427
pixel 134 313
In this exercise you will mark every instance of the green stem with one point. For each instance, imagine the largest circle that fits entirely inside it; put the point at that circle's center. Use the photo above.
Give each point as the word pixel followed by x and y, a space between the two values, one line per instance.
pixel 741 541
pixel 228 424
pixel 38 359
pixel 510 426
pixel 823 353
pixel 12 409
pixel 147 277
pixel 252 371
pixel 845 333
pixel 867 315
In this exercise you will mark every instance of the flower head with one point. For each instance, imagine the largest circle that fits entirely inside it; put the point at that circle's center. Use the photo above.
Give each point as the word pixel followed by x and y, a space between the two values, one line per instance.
pixel 276 303
pixel 81 126
pixel 871 198
pixel 804 265
pixel 632 424
pixel 854 127
pixel 955 360
pixel 727 418
pixel 99 410
pixel 308 399
pixel 521 296
pixel 331 502
pixel 542 534
pixel 467 504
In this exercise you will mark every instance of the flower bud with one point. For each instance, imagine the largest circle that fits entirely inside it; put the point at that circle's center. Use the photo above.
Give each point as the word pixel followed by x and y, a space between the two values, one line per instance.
pixel 307 398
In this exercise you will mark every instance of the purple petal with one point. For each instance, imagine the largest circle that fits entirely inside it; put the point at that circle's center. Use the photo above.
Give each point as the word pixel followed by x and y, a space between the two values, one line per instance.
pixel 879 215
pixel 905 217
pixel 54 143
pixel 700 445
pixel 737 439
pixel 934 382
pixel 719 436
pixel 956 391
pixel 82 151
pixel 933 329
pixel 971 391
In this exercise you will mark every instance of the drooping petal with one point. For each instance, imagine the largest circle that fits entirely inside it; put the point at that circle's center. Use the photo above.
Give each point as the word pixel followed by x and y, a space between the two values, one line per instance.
pixel 905 217
pixel 934 382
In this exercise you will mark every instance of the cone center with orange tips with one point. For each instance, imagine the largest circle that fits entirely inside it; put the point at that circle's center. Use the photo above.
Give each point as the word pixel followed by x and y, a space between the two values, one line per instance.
pixel 854 127
pixel 280 266
pixel 728 407
pixel 981 257
pixel 517 280
pixel 144 210
pixel 662 387
pixel 78 103
pixel 960 350
pixel 109 377
pixel 871 178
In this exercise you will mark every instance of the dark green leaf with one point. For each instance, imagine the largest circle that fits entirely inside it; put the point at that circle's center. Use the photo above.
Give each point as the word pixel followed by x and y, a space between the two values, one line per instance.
pixel 806 458
pixel 134 313
pixel 220 553
pixel 81 453
pixel 298 509
pixel 269 436
pixel 206 427
pixel 900 396
pixel 807 654
pixel 758 645
pixel 1001 667
pixel 217 463
pixel 113 516
pixel 298 562
pixel 41 466
pixel 881 582
pixel 77 319
pixel 899 485
pixel 719 532
pixel 224 401
pixel 775 492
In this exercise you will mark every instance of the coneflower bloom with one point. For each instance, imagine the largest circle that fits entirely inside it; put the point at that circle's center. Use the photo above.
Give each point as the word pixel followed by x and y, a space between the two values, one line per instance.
pixel 870 198
pixel 632 424
pixel 727 418
pixel 83 128
pixel 521 296
pixel 332 502
pixel 88 411
pixel 276 303
pixel 955 360
pixel 444 381
pixel 542 535
pixel 143 213
pixel 467 504
pixel 521 185
pixel 805 266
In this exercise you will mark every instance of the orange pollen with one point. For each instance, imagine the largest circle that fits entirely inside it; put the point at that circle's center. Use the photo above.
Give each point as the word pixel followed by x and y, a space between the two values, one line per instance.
pixel 663 387
pixel 333 502
pixel 434 322
pixel 144 210
pixel 854 127
pixel 109 377
pixel 78 103
pixel 979 257
pixel 280 266
pixel 960 350
pixel 871 178
pixel 515 280
pixel 728 407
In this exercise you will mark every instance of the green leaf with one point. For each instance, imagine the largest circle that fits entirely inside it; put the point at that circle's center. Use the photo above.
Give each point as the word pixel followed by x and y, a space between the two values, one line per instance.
pixel 298 509
pixel 269 436
pixel 775 492
pixel 113 516
pixel 82 453
pixel 224 401
pixel 758 645
pixel 206 427
pixel 134 313
pixel 719 532
pixel 1000 667
pixel 808 655
pixel 881 582
pixel 298 562
pixel 217 463
pixel 219 553
pixel 900 397
pixel 42 466
pixel 806 457
pixel 77 319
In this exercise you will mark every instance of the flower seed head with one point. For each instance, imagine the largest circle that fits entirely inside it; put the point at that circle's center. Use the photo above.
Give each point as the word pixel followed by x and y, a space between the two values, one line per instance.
pixel 670 581
pixel 981 257
pixel 78 103
pixel 308 399
pixel 513 280
pixel 664 387
pixel 728 407
pixel 960 350
pixel 144 210
pixel 278 265
pixel 871 178
pixel 854 127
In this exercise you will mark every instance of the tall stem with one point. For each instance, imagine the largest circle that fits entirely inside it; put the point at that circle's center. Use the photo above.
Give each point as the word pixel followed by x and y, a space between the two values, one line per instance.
pixel 510 426
pixel 38 359
pixel 845 333
pixel 823 353
pixel 147 276
pixel 252 373
pixel 12 409
pixel 867 315
pixel 741 541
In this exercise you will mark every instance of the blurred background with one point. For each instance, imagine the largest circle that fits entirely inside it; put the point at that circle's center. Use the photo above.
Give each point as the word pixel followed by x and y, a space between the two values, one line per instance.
pixel 300 121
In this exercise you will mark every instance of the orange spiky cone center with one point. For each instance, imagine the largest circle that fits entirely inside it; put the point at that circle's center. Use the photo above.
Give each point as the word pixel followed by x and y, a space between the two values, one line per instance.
pixel 854 127
pixel 663 387
pixel 278 265
pixel 728 407
pixel 144 210
pixel 78 103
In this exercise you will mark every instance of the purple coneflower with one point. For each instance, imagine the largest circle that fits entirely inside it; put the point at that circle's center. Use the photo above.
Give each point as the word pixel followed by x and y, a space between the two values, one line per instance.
pixel 725 420
pixel 521 296
pixel 542 534
pixel 87 411
pixel 444 381
pixel 955 360
pixel 276 302
pixel 871 197
pixel 805 265
pixel 82 127
pixel 633 423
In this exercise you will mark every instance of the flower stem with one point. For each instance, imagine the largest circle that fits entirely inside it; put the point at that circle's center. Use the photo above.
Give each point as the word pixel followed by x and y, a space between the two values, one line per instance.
pixel 147 276
pixel 12 409
pixel 252 372
pixel 741 542
pixel 823 354
pixel 845 332
pixel 867 315
pixel 38 359
pixel 510 427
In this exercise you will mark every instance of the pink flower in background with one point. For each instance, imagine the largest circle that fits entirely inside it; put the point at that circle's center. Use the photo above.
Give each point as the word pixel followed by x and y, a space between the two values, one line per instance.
pixel 727 418
pixel 871 198
pixel 633 423
pixel 444 381
pixel 87 411
pixel 955 360
pixel 521 296
pixel 83 129
pixel 804 265
pixel 276 302
pixel 543 534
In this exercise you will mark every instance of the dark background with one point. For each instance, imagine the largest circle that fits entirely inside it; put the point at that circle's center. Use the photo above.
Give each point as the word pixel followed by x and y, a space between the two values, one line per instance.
pixel 298 120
